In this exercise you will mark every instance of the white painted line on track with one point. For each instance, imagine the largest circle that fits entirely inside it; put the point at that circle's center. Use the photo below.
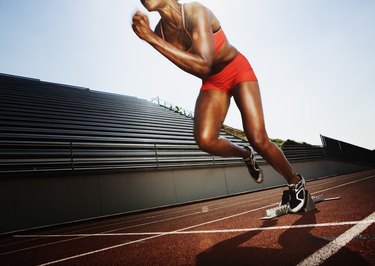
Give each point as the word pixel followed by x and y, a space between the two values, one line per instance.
pixel 190 227
pixel 172 218
pixel 334 246
pixel 345 184
pixel 139 225
pixel 220 231
pixel 99 250
pixel 154 236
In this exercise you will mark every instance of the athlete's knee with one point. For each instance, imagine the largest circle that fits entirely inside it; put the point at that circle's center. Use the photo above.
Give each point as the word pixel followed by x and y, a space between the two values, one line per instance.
pixel 206 142
pixel 260 142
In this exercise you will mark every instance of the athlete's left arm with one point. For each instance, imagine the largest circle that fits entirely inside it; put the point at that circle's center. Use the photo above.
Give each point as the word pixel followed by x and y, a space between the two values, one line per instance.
pixel 199 63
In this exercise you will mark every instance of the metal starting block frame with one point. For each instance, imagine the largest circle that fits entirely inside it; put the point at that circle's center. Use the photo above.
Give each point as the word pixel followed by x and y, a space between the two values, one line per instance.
pixel 308 206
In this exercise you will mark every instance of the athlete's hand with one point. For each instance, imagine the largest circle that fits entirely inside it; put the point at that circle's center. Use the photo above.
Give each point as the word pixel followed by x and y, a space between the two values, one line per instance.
pixel 141 26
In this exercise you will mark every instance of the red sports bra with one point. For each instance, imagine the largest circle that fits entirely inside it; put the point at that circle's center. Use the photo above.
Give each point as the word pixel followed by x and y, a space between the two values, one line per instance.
pixel 219 36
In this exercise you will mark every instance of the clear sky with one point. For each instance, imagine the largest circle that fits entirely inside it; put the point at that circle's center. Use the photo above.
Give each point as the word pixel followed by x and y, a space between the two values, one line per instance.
pixel 315 59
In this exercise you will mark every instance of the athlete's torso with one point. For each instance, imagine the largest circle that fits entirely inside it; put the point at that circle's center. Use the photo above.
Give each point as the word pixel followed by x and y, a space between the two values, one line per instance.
pixel 181 38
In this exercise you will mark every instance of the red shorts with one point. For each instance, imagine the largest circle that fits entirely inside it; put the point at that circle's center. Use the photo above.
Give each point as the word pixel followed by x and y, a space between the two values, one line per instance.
pixel 237 71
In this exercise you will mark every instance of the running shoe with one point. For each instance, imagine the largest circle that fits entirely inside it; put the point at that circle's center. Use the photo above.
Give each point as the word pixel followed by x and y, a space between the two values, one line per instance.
pixel 253 166
pixel 297 195
pixel 285 198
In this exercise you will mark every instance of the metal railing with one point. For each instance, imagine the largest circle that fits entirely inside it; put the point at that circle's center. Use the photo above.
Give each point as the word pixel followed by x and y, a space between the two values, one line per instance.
pixel 35 156
pixel 53 127
pixel 173 107
pixel 77 155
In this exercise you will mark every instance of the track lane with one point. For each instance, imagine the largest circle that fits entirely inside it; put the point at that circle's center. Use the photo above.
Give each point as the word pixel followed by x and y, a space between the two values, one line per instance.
pixel 242 210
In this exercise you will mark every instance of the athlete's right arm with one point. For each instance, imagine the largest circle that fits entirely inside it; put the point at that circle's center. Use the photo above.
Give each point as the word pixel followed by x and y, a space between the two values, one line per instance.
pixel 198 64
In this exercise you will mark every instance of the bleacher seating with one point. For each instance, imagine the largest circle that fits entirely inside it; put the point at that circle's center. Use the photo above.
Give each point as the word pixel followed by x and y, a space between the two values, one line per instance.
pixel 53 127
pixel 347 152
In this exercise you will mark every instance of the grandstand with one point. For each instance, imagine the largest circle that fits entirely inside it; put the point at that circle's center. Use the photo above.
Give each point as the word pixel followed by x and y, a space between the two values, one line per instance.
pixel 52 127
pixel 70 153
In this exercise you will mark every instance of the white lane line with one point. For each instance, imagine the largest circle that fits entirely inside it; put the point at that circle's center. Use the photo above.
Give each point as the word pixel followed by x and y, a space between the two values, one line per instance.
pixel 334 246
pixel 172 218
pixel 345 184
pixel 218 231
pixel 151 237
pixel 139 225
pixel 100 250
pixel 236 203
pixel 183 229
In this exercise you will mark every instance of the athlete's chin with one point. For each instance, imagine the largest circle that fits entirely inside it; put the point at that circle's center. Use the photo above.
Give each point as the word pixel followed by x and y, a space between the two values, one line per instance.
pixel 147 4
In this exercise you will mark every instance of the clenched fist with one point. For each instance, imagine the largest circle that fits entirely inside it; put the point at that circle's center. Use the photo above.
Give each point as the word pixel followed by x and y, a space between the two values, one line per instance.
pixel 141 26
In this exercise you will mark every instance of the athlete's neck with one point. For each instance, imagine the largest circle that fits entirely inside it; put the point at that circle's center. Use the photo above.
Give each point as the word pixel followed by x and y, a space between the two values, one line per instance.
pixel 171 14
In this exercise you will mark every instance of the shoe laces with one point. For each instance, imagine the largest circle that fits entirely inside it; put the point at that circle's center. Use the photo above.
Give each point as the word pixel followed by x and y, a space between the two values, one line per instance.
pixel 297 185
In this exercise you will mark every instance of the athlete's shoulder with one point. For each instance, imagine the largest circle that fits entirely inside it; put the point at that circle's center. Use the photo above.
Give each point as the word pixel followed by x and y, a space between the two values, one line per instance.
pixel 194 4
pixel 198 12
pixel 195 7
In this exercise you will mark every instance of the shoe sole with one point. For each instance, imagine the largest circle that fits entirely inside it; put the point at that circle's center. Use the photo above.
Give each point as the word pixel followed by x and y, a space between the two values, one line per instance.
pixel 260 179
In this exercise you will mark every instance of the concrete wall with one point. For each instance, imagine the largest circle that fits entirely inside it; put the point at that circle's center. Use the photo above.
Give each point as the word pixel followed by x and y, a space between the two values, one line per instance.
pixel 27 202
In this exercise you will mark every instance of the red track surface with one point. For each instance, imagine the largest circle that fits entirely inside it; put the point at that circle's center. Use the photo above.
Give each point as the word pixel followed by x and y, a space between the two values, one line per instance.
pixel 218 232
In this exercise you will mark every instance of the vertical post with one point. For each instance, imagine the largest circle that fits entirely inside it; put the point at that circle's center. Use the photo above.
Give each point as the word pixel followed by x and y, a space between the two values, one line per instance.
pixel 305 152
pixel 71 156
pixel 323 140
pixel 156 156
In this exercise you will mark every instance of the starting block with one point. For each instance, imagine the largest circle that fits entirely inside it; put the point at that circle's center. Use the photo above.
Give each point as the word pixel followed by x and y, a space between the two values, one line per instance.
pixel 284 209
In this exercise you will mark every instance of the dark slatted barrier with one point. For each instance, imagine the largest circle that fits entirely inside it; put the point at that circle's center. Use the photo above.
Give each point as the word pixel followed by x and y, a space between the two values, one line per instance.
pixel 52 127
pixel 348 152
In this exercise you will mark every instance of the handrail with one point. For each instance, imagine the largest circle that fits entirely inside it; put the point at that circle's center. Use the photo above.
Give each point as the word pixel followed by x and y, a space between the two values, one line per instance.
pixel 73 155
pixel 173 107
pixel 52 127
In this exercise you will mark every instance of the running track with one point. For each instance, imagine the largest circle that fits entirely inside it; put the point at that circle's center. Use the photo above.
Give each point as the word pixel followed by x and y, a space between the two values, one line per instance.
pixel 224 231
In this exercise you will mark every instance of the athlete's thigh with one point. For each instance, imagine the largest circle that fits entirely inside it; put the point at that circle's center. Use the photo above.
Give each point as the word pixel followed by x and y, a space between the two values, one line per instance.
pixel 248 99
pixel 210 111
